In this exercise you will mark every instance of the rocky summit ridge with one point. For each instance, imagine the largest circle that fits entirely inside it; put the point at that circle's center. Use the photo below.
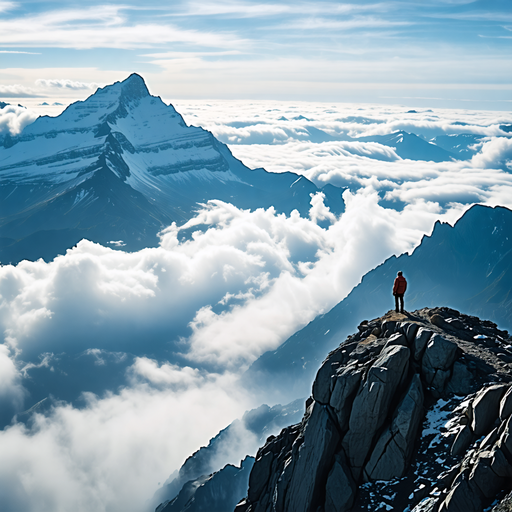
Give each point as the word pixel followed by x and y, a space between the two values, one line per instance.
pixel 412 413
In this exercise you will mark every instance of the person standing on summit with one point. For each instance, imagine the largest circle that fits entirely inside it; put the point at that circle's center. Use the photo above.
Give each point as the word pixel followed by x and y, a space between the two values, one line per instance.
pixel 399 287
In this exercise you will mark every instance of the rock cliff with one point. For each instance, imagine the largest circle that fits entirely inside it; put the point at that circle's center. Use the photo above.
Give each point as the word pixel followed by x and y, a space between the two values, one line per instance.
pixel 414 412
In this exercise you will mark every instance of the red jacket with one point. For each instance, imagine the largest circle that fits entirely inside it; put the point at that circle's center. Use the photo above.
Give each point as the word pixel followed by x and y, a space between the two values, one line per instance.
pixel 399 286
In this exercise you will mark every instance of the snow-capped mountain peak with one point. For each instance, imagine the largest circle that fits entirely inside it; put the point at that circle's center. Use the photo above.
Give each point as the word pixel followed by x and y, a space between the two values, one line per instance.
pixel 139 166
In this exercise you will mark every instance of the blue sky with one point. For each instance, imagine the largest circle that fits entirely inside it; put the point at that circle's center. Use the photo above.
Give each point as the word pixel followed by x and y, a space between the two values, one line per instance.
pixel 439 53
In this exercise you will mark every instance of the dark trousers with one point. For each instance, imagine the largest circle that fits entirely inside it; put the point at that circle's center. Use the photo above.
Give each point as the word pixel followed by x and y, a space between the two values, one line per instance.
pixel 401 297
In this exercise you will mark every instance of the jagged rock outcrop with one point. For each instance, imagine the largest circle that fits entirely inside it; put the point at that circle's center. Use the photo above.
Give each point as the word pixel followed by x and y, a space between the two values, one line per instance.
pixel 360 445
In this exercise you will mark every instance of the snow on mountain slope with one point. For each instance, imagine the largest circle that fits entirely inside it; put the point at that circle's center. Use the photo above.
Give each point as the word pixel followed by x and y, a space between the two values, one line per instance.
pixel 122 165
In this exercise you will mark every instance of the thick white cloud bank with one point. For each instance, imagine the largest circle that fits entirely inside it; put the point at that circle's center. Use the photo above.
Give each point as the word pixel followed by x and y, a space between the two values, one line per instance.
pixel 173 327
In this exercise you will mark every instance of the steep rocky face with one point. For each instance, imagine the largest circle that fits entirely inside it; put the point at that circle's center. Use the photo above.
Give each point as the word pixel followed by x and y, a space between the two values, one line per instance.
pixel 414 412
pixel 122 165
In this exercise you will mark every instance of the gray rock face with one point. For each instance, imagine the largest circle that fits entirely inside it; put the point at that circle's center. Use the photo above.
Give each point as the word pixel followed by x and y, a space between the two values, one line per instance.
pixel 391 455
pixel 420 342
pixel 397 339
pixel 346 384
pixel 506 404
pixel 461 380
pixel 340 490
pixel 439 356
pixel 409 329
pixel 322 382
pixel 486 407
pixel 483 477
pixel 372 402
pixel 505 441
pixel 462 498
pixel 462 441
pixel 314 460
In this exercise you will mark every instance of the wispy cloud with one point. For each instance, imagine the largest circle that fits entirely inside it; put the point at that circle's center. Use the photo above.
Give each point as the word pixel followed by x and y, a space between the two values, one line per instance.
pixel 26 53
pixel 103 27
pixel 66 84
pixel 18 91
pixel 357 22
pixel 240 9
pixel 7 6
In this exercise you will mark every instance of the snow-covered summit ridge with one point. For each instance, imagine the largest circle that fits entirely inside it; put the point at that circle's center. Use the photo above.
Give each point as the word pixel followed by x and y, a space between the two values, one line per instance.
pixel 62 148
pixel 127 99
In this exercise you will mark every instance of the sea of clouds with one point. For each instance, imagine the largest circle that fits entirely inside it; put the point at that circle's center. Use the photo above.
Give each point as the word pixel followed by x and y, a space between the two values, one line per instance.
pixel 137 357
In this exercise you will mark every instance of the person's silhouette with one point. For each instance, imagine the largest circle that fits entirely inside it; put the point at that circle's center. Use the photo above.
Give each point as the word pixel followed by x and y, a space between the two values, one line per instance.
pixel 399 287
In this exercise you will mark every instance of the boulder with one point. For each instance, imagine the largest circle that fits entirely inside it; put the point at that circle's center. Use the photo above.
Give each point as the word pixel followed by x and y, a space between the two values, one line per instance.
pixel 388 328
pixel 397 339
pixel 371 404
pixel 439 356
pixel 489 439
pixel 438 321
pixel 461 381
pixel 391 455
pixel 409 329
pixel 506 404
pixel 462 498
pixel 420 341
pixel 484 478
pixel 440 353
pixel 313 461
pixel 500 464
pixel 340 490
pixel 322 382
pixel 462 441
pixel 486 408
pixel 347 382
pixel 455 323
pixel 505 440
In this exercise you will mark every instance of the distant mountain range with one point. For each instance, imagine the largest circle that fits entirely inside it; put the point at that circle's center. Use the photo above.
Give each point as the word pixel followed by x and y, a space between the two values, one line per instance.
pixel 120 166
pixel 467 267
pixel 408 146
